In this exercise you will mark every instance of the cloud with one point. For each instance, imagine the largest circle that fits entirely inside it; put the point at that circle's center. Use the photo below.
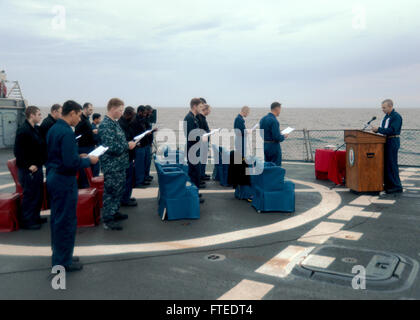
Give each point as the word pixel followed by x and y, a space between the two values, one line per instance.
pixel 168 51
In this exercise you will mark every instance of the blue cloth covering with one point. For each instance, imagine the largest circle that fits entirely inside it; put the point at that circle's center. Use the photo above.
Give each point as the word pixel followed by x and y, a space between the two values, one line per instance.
pixel 177 195
pixel 272 193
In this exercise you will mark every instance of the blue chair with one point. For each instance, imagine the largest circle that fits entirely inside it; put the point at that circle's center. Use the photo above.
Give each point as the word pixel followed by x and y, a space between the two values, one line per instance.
pixel 173 156
pixel 178 198
pixel 164 163
pixel 272 193
pixel 244 192
pixel 216 170
pixel 221 166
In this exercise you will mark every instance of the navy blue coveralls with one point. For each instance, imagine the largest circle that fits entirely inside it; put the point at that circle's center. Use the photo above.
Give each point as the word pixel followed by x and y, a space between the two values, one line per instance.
pixel 239 124
pixel 194 170
pixel 392 129
pixel 63 163
pixel 272 138
pixel 86 144
pixel 203 124
pixel 149 143
pixel 139 123
pixel 129 131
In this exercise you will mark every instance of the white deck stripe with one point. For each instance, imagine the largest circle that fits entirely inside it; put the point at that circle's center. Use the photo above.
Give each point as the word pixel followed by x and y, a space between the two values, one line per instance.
pixel 247 290
pixel 347 213
pixel 321 233
pixel 299 163
pixel 282 264
pixel 408 185
pixel 407 173
pixel 410 179
pixel 330 201
pixel 314 260
pixel 368 200
pixel 412 169
pixel 5 186
pixel 348 235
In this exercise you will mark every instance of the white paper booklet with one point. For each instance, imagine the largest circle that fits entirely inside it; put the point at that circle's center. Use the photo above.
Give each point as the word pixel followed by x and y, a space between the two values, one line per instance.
pixel 211 133
pixel 141 136
pixel 288 130
pixel 255 127
pixel 99 151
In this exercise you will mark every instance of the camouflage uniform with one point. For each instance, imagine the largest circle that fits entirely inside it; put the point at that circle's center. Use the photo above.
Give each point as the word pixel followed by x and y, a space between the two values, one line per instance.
pixel 114 164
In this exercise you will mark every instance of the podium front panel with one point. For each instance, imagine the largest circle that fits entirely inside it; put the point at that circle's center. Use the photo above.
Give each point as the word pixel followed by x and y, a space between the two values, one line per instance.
pixel 365 161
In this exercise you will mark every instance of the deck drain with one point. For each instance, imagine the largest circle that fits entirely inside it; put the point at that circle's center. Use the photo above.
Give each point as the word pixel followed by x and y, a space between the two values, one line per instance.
pixel 349 260
pixel 215 257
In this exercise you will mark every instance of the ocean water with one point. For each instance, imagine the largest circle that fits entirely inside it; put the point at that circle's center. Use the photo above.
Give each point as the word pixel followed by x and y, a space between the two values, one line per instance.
pixel 315 120
pixel 299 118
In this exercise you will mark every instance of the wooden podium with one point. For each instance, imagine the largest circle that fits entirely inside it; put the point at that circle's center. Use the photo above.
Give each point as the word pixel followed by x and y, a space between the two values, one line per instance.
pixel 365 161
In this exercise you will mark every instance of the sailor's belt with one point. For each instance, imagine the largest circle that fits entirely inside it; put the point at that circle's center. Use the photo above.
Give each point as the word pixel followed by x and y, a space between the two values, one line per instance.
pixel 265 141
pixel 397 136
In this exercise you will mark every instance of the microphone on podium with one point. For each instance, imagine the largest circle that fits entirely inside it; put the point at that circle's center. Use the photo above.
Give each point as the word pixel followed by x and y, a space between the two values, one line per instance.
pixel 373 119
pixel 367 125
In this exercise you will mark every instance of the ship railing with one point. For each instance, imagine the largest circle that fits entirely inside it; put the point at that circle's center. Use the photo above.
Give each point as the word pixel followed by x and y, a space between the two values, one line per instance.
pixel 302 145
pixel 11 90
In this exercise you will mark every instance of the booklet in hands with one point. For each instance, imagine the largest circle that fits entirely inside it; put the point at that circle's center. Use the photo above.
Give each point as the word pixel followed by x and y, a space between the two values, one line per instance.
pixel 141 136
pixel 211 133
pixel 288 130
pixel 99 151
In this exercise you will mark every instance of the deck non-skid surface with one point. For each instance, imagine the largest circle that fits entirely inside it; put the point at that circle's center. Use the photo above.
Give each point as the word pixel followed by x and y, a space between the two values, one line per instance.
pixel 151 259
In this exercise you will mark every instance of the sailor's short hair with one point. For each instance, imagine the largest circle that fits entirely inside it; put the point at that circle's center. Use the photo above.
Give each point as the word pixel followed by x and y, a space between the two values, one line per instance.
pixel 388 102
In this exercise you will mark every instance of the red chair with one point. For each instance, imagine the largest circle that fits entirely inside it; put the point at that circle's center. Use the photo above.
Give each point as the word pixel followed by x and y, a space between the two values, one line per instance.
pixel 11 164
pixel 88 212
pixel 9 211
pixel 97 183
pixel 88 206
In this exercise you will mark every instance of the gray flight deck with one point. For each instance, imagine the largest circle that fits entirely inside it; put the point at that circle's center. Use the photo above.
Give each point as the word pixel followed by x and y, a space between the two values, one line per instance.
pixel 152 259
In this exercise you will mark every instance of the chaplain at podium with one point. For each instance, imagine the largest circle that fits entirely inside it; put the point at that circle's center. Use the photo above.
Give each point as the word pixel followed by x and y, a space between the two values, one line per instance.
pixel 272 135
pixel 391 128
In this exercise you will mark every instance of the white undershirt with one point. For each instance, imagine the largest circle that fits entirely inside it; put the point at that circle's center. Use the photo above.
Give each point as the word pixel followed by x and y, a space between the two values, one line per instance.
pixel 386 125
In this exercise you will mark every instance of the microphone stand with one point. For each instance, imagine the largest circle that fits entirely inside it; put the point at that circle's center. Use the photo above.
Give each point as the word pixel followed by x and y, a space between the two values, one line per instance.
pixel 364 128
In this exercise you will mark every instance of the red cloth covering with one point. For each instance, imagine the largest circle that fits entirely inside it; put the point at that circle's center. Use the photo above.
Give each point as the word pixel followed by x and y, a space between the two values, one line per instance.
pixel 9 211
pixel 330 165
pixel 337 167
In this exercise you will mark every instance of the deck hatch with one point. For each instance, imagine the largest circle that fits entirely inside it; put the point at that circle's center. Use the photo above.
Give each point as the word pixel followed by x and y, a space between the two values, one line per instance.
pixel 383 270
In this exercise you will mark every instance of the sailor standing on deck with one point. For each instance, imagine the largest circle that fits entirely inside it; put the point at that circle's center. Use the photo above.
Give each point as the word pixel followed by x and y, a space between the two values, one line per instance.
pixel 63 163
pixel 391 128
pixel 239 126
pixel 126 123
pixel 49 121
pixel 114 164
pixel 272 135
pixel 140 125
pixel 192 133
pixel 149 143
pixel 31 153
pixel 203 124
pixel 86 142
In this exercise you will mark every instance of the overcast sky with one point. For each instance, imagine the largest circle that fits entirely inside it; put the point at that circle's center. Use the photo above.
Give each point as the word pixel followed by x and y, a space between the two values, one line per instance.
pixel 303 53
